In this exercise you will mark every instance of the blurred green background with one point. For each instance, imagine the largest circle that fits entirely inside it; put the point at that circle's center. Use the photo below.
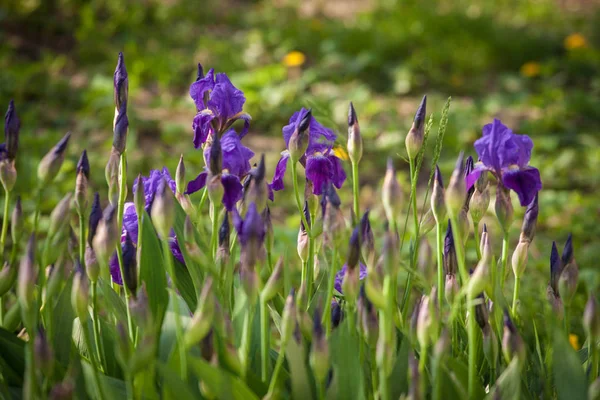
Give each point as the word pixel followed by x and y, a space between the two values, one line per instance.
pixel 534 64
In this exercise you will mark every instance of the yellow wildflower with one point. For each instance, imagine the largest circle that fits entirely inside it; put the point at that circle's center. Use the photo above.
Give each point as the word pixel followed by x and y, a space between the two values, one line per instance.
pixel 294 59
pixel 531 69
pixel 575 41
pixel 574 340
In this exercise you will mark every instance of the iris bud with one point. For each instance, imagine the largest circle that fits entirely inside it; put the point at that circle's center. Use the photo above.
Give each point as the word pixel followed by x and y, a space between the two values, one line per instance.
pixel 12 126
pixel 52 161
pixel 355 142
pixel 456 192
pixel 139 196
pixel 299 140
pixel 438 205
pixel 512 343
pixel 130 265
pixel 112 174
pixel 180 176
pixel 27 276
pixel 424 260
pixel 391 193
pixel 43 354
pixel 530 221
pixel 504 208
pixel 415 136
pixel 81 182
pixel 288 318
pixel 59 217
pixel 319 355
pixel 107 234
pixel 450 260
pixel 120 129
pixel 163 210
pixel 8 275
pixel 8 174
pixel 17 221
pixel 274 283
pixel 591 318
pixel 479 205
pixel 451 288
pixel 203 316
pixel 80 294
pixel 519 259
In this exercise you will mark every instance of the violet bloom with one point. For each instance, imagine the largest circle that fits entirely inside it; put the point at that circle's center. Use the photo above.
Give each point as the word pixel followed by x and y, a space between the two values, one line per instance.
pixel 339 277
pixel 219 105
pixel 507 156
pixel 321 164
pixel 130 220
pixel 236 165
pixel 251 232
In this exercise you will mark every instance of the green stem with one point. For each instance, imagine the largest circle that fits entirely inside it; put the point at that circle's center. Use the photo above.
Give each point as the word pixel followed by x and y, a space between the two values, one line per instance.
pixel 214 238
pixel 594 357
pixel 96 325
pixel 246 339
pixel 440 263
pixel 310 268
pixel 437 384
pixel 384 390
pixel 1 310
pixel 95 366
pixel 178 324
pixel 567 319
pixel 5 219
pixel 264 340
pixel 139 250
pixel 423 372
pixel 329 297
pixel 413 258
pixel 298 202
pixel 38 204
pixel 126 290
pixel 460 251
pixel 516 295
pixel 355 192
pixel 476 238
pixel 129 386
pixel 504 260
pixel 278 365
pixel 472 332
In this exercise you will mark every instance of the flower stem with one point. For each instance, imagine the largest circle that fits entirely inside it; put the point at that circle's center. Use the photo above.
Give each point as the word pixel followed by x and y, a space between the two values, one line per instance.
pixel 440 263
pixel 38 205
pixel 214 211
pixel 355 192
pixel 278 365
pixel 423 372
pixel 594 357
pixel 246 339
pixel 95 367
pixel 516 295
pixel 476 238
pixel 5 219
pixel 178 324
pixel 96 326
pixel 329 297
pixel 298 202
pixel 472 335
pixel 413 258
pixel 504 260
pixel 264 340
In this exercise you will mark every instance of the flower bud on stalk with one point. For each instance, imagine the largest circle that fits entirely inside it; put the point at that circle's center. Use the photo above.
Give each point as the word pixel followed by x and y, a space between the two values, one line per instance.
pixel 427 224
pixel 112 174
pixel 480 280
pixel 214 185
pixel 366 237
pixel 519 259
pixel 480 202
pixel 139 196
pixel 456 191
pixel 351 277
pixel 223 249
pixel 319 355
pixel 54 280
pixel 391 193
pixel 80 294
pixel 333 219
pixel 438 206
pixel 163 210
pixel 269 234
pixel 60 216
pixel 302 243
pixel 275 282
pixel 384 357
pixel 8 275
pixel 415 390
pixel 368 318
pixel 415 136
pixel 469 166
pixel 300 138
pixel 591 318
pixel 530 221
pixel 17 222
pixel 121 128
pixel 43 354
pixel 567 283
pixel 427 321
pixel 120 84
pixel 424 260
pixel 12 126
pixel 450 260
pixel 257 190
pixel 355 142
pixel 107 234
pixel 130 265
pixel 451 288
pixel 180 182
pixel 512 343
pixel 8 174
pixel 288 318
pixel 504 208
pixel 81 182
pixel 336 314
pixel 203 316
pixel 27 276
pixel 52 161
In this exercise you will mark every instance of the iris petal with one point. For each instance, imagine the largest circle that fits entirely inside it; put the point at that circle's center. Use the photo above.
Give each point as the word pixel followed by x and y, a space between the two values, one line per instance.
pixel 233 190
pixel 277 183
pixel 525 182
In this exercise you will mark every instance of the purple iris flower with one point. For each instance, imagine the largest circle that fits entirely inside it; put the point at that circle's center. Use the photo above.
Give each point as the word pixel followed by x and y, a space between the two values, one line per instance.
pixel 219 105
pixel 507 156
pixel 130 220
pixel 321 164
pixel 236 165
pixel 339 277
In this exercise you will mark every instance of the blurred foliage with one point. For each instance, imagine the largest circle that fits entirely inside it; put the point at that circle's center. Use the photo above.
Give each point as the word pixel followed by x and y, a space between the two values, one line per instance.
pixel 535 64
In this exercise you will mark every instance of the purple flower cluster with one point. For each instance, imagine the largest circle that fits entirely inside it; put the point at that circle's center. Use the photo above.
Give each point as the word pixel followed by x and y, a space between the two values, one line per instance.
pixel 507 156
pixel 321 164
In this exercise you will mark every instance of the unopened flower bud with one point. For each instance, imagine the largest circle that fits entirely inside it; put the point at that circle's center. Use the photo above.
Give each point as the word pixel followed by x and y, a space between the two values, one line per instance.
pixel 355 142
pixel 17 221
pixel 319 355
pixel 92 268
pixel 59 218
pixel 414 376
pixel 215 189
pixel 519 259
pixel 438 205
pixel 215 156
pixel 95 217
pixel 81 182
pixel 469 166
pixel 163 210
pixel 288 318
pixel 120 129
pixel 354 249
pixel 12 126
pixel 257 189
pixel 80 294
pixel 202 321
pixel 366 236
pixel 530 221
pixel 107 234
pixel 336 314
pixel 302 242
pixel 556 268
pixel 123 345
pixel 391 193
pixel 180 176
pixel 415 136
pixel 269 234
pixel 274 283
pixel 591 318
pixel 43 354
pixel 482 181
pixel 120 83
pixel 567 283
pixel 8 174
pixel 52 161
pixel 456 191
pixel 129 265
pixel 451 288
pixel 384 357
pixel 442 345
pixel 140 309
pixel 424 260
pixel 480 202
pixel 555 302
pixel 300 138
pixel 512 343
pixel 450 260
pixel 427 224
pixel 8 275
pixel 27 276
pixel 426 322
pixel 223 249
pixel 139 196
pixel 251 232
pixel 504 208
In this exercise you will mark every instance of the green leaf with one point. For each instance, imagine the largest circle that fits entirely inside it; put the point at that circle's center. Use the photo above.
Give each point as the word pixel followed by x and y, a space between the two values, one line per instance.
pixel 399 378
pixel 221 383
pixel 456 374
pixel 184 284
pixel 509 383
pixel 569 377
pixel 347 370
pixel 62 324
pixel 112 388
pixel 113 302
pixel 12 358
pixel 152 271
pixel 296 358
pixel 192 267
pixel 168 335
pixel 174 385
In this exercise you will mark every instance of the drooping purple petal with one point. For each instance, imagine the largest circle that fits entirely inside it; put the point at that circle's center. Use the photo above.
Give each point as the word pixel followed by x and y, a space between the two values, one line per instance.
pixel 225 99
pixel 271 193
pixel 339 175
pixel 525 182
pixel 196 184
pixel 472 177
pixel 246 118
pixel 319 170
pixel 202 127
pixel 236 156
pixel 339 277
pixel 198 88
pixel 277 182
pixel 232 190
